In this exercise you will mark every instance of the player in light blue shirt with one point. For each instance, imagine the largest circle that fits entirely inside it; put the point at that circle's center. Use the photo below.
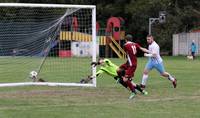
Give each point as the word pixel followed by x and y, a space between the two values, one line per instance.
pixel 155 61
pixel 193 49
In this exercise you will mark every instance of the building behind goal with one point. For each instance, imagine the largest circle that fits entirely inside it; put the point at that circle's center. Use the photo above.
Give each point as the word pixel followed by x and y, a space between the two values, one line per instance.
pixel 182 43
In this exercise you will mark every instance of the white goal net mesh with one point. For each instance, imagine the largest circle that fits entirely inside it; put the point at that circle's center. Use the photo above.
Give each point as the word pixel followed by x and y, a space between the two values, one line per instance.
pixel 56 42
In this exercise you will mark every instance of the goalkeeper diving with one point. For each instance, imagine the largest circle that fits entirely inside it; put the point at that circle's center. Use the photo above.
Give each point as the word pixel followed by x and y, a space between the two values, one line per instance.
pixel 106 66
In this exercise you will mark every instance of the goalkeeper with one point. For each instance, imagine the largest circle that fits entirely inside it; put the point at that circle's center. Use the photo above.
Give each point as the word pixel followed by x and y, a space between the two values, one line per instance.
pixel 111 69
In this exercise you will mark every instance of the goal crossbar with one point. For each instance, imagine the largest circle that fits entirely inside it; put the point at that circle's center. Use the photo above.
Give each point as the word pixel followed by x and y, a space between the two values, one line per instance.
pixel 45 5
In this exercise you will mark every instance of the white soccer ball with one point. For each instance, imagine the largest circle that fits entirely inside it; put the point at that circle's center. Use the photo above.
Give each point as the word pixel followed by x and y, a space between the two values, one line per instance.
pixel 33 74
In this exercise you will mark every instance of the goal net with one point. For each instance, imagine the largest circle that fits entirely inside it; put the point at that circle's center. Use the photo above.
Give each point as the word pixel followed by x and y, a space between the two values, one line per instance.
pixel 56 41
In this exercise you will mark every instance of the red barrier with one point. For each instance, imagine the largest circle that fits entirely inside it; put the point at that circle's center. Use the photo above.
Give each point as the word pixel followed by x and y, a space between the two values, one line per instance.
pixel 65 53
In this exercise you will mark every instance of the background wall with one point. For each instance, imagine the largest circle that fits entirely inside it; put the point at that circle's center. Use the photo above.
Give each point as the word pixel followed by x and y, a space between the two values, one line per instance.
pixel 182 43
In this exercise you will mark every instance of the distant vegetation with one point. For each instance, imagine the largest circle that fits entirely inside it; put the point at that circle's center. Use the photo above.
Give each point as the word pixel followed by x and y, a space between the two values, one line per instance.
pixel 182 16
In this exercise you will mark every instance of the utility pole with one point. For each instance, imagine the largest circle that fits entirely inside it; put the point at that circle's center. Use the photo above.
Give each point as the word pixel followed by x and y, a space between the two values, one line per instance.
pixel 160 19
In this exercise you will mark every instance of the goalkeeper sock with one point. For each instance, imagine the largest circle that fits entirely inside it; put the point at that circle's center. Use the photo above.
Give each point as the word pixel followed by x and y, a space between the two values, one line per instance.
pixel 120 80
pixel 123 83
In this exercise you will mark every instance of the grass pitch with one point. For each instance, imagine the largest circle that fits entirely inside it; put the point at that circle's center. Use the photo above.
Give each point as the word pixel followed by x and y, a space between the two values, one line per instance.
pixel 110 100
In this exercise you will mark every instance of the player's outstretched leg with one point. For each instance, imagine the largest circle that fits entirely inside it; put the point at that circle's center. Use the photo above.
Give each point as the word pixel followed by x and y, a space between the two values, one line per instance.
pixel 144 81
pixel 133 94
pixel 172 79
pixel 174 83
pixel 120 80
pixel 127 81
pixel 138 87
pixel 132 88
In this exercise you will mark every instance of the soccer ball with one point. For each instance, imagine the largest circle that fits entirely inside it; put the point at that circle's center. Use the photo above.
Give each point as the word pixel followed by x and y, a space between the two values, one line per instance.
pixel 33 74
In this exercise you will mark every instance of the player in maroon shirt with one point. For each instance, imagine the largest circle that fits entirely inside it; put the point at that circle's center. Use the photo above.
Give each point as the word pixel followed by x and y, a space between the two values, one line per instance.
pixel 131 64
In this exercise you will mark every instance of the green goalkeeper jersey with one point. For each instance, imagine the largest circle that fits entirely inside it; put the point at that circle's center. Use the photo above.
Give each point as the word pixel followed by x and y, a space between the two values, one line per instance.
pixel 108 67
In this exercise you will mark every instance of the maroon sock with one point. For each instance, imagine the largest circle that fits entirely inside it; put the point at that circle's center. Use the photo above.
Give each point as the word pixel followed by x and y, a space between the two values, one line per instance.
pixel 130 85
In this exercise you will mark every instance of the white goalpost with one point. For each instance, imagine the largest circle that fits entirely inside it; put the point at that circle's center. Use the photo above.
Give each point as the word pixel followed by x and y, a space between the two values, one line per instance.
pixel 55 40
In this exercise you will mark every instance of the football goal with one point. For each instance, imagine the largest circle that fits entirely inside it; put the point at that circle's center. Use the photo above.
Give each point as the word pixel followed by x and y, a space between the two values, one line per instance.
pixel 56 41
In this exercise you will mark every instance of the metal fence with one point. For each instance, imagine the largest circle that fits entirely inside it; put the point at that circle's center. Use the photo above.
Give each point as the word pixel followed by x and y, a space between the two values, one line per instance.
pixel 182 43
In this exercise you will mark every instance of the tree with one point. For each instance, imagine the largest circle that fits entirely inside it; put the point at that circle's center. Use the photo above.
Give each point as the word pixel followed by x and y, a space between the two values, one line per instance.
pixel 182 16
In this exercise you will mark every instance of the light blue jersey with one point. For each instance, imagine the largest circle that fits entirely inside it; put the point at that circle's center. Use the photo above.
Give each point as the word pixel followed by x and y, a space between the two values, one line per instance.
pixel 193 47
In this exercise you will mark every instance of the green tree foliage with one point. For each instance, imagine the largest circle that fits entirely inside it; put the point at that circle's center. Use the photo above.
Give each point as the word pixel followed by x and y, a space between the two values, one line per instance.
pixel 182 16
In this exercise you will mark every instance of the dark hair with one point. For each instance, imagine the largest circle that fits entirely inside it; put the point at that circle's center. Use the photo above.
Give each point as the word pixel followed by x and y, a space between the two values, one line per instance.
pixel 129 37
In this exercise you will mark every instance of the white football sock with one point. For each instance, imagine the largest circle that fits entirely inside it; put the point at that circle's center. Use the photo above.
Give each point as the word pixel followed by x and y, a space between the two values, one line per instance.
pixel 144 79
pixel 171 78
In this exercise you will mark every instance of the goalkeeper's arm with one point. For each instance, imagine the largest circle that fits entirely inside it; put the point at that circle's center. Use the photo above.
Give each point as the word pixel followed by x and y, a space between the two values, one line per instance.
pixel 100 71
pixel 95 63
pixel 89 78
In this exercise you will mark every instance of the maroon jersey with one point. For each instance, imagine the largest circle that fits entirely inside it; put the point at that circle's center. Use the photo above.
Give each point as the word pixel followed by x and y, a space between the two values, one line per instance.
pixel 131 51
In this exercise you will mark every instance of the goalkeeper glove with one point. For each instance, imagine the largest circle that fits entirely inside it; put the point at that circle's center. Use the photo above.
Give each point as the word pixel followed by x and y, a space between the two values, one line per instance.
pixel 95 63
pixel 86 80
pixel 41 80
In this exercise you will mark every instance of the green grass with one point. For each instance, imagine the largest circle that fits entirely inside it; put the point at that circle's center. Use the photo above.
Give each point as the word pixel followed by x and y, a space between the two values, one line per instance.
pixel 110 100
pixel 54 69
